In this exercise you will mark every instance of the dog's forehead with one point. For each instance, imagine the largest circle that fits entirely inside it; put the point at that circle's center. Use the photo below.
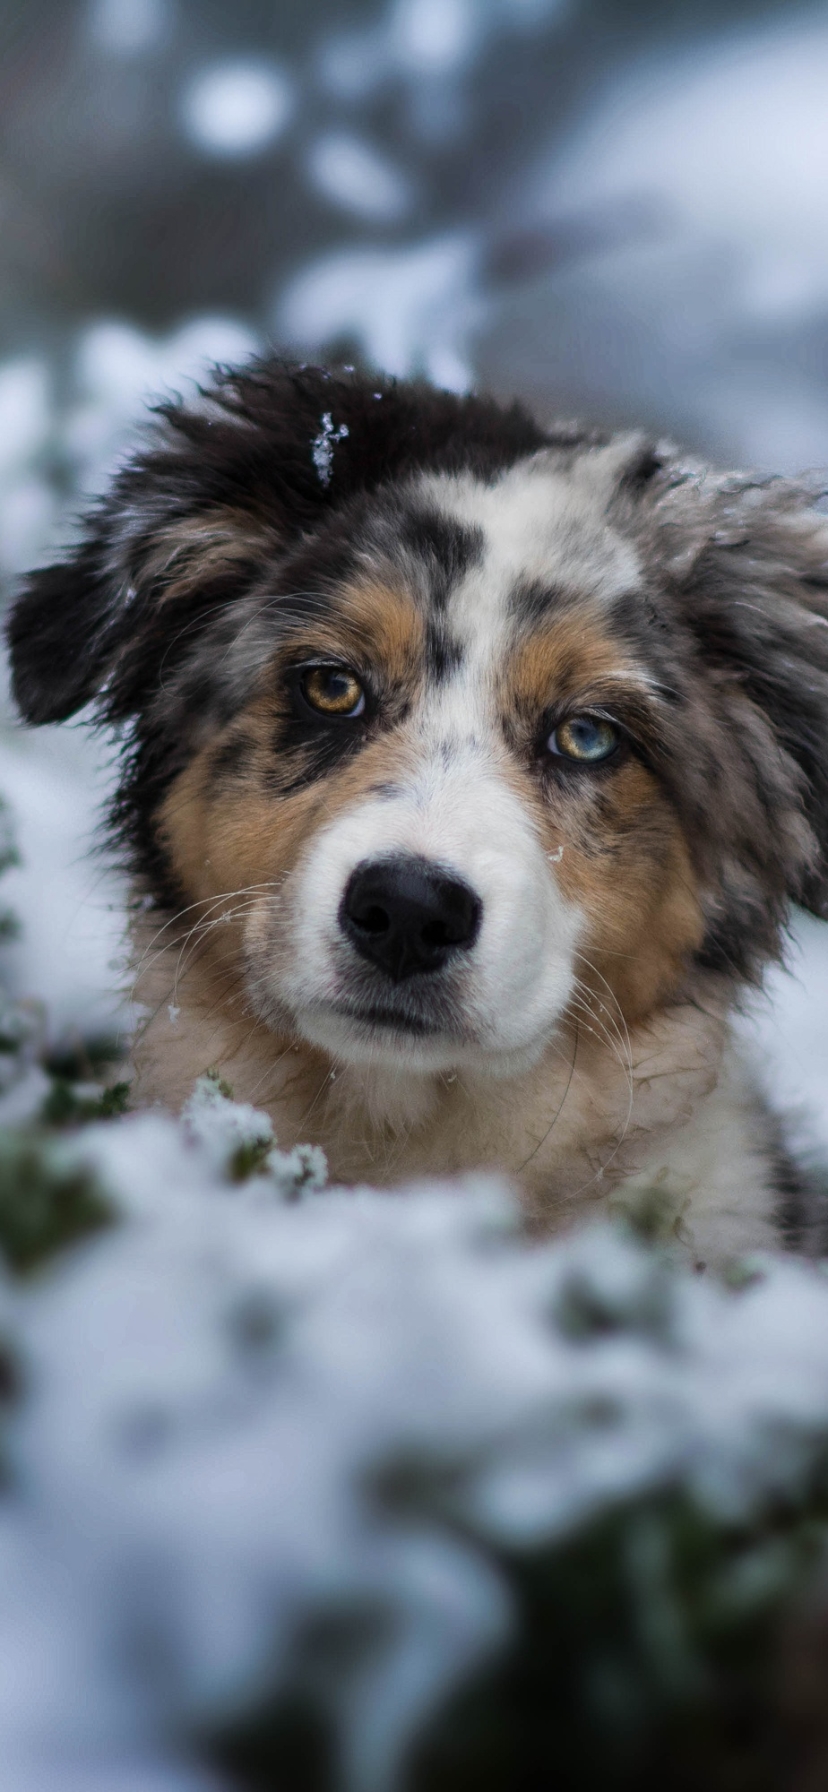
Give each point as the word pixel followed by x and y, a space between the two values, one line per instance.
pixel 540 527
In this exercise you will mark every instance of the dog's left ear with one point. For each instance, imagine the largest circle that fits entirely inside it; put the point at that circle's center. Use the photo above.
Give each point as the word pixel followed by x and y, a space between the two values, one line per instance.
pixel 747 560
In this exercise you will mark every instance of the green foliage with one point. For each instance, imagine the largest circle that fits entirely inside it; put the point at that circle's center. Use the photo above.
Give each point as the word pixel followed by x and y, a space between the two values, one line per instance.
pixel 9 854
pixel 81 1058
pixel 249 1159
pixel 46 1202
pixel 9 924
pixel 219 1083
pixel 646 1655
pixel 648 1652
pixel 70 1105
pixel 251 1155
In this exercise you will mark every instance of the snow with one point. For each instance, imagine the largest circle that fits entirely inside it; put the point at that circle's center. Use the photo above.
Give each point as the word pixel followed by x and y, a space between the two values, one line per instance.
pixel 237 108
pixel 217 1384
pixel 27 501
pixel 787 1028
pixel 423 43
pixel 322 446
pixel 432 35
pixel 720 283
pixel 224 1129
pixel 753 179
pixel 74 430
pixel 69 950
pixel 353 174
pixel 118 369
pixel 411 310
pixel 128 27
pixel 25 412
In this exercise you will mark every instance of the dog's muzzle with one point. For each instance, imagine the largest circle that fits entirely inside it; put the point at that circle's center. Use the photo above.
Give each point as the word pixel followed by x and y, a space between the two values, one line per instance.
pixel 406 915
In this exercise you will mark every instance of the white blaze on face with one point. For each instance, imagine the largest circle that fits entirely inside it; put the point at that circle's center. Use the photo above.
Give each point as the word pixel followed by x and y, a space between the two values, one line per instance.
pixel 463 817
pixel 458 808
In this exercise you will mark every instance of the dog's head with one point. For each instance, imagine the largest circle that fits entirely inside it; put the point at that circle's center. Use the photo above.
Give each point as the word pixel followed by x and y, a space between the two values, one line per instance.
pixel 449 720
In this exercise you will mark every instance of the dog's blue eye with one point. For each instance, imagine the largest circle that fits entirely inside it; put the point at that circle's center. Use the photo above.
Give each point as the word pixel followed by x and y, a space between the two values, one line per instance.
pixel 333 691
pixel 588 739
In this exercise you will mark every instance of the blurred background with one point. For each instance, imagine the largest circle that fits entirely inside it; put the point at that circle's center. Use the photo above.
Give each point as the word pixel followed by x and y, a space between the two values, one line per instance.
pixel 616 209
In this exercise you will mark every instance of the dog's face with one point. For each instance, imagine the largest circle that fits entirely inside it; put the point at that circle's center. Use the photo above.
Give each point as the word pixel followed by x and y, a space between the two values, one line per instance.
pixel 437 795
pixel 447 749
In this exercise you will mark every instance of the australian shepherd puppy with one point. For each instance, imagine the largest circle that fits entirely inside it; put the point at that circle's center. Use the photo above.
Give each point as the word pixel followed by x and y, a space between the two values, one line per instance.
pixel 469 771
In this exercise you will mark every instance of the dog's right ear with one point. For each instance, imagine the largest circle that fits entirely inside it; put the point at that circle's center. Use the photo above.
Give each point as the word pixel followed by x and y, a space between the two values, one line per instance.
pixel 59 637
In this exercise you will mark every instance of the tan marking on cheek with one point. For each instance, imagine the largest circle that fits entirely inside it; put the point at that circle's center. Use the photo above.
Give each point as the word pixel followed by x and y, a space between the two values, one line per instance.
pixel 223 840
pixel 629 871
pixel 624 861
pixel 632 879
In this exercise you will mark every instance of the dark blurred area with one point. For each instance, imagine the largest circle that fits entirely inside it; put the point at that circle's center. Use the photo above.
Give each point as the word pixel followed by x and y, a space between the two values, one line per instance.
pixel 542 195
pixel 114 201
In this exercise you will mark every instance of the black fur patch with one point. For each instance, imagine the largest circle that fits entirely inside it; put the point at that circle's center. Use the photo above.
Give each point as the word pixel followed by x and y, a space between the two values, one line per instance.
pixel 532 601
pixel 447 548
pixel 647 462
pixel 305 583
pixel 231 760
pixel 443 653
pixel 300 760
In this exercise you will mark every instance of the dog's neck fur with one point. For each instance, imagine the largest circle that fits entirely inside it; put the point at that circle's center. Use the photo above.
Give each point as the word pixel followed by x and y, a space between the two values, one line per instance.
pixel 589 1126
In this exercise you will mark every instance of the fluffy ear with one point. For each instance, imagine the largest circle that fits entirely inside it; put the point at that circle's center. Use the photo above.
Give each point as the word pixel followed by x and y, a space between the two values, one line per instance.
pixel 233 482
pixel 749 562
pixel 57 638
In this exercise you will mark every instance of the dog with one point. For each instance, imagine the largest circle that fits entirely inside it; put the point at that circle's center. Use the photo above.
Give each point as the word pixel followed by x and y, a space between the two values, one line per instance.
pixel 469 772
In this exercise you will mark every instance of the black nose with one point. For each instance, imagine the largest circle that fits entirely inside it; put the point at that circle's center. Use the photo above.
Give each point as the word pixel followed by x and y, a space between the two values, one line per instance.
pixel 406 915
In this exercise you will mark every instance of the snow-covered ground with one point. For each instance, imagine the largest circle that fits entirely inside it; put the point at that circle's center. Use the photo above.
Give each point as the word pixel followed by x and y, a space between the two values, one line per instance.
pixel 219 1385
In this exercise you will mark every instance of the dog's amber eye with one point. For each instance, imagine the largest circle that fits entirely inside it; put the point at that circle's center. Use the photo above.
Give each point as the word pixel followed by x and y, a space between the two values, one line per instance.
pixel 333 691
pixel 589 739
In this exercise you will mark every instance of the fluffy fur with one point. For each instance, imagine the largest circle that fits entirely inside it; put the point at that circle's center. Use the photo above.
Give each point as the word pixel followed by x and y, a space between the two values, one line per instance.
pixel 485 582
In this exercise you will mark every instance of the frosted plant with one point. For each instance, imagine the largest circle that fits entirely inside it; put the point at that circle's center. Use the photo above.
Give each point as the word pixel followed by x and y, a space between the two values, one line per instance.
pixel 240 1141
pixel 269 1449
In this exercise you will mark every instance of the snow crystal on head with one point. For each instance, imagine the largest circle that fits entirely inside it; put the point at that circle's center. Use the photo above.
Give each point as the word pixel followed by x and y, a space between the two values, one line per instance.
pixel 322 446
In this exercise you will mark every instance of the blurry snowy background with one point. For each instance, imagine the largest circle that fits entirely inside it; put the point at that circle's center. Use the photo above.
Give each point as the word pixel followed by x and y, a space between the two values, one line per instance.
pixel 281 1444
pixel 613 208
